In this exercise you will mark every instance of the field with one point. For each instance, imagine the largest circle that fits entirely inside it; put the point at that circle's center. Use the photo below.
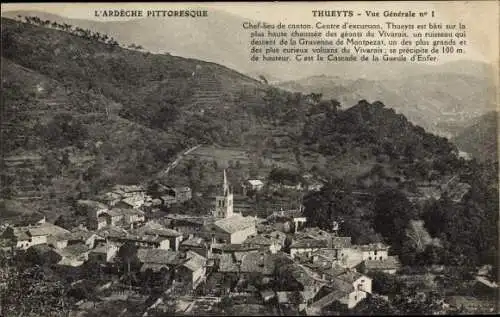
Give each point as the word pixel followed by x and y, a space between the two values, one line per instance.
pixel 222 155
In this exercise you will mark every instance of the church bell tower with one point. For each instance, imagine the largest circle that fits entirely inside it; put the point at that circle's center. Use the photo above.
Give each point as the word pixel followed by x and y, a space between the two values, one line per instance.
pixel 224 200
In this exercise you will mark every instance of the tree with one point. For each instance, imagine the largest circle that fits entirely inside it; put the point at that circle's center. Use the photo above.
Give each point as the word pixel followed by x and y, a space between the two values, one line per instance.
pixel 226 302
pixel 385 284
pixel 373 305
pixel 392 213
pixel 128 253
pixel 263 79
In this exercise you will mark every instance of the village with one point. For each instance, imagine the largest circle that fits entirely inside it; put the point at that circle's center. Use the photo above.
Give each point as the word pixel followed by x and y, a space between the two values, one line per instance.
pixel 198 264
pixel 221 254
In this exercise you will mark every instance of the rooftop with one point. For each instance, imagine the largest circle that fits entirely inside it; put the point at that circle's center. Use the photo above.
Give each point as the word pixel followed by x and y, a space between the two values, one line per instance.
pixel 308 243
pixel 81 234
pixel 349 276
pixel 74 250
pixel 195 261
pixel 159 256
pixel 194 242
pixel 235 223
pixel 128 188
pixel 91 204
pixel 267 238
pixel 255 182
pixel 47 229
pixel 392 262
pixel 325 301
pixel 372 247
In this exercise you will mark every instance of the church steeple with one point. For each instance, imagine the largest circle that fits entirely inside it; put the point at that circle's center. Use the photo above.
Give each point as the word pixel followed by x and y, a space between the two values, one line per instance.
pixel 224 200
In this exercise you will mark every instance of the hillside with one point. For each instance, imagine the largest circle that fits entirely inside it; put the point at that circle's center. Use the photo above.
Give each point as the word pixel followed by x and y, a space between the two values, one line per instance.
pixel 95 114
pixel 232 50
pixel 80 114
pixel 439 102
pixel 480 138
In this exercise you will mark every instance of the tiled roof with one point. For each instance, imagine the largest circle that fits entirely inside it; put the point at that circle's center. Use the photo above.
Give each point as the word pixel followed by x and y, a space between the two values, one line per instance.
pixel 21 234
pixel 330 254
pixel 267 238
pixel 317 233
pixel 331 270
pixel 325 301
pixel 47 229
pixel 194 242
pixel 308 243
pixel 237 247
pixel 235 223
pixel 195 261
pixel 163 232
pixel 255 182
pixel 349 276
pixel 392 262
pixel 227 263
pixel 74 250
pixel 91 204
pixel 128 188
pixel 371 247
pixel 114 232
pixel 158 256
pixel 100 249
pixel 261 262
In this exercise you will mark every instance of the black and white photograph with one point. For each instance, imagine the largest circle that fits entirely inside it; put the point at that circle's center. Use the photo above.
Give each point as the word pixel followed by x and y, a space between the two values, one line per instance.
pixel 249 159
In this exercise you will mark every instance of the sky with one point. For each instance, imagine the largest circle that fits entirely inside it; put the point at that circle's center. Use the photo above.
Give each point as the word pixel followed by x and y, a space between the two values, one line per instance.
pixel 480 17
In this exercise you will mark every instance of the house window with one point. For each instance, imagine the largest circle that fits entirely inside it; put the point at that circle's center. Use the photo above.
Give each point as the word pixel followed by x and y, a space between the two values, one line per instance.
pixel 369 258
pixel 355 297
pixel 375 252
pixel 380 258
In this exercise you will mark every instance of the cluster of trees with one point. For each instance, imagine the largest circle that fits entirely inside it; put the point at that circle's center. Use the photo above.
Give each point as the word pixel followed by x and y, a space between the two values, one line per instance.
pixel 134 46
pixel 64 130
pixel 377 131
pixel 84 33
pixel 43 293
pixel 285 176
pixel 459 234
pixel 336 203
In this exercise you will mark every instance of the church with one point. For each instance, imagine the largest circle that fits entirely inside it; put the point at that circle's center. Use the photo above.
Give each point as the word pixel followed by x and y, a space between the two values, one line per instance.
pixel 228 227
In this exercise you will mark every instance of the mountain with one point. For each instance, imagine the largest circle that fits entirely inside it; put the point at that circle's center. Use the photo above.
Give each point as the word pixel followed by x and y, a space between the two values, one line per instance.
pixel 224 41
pixel 439 102
pixel 480 138
pixel 200 38
pixel 83 114
pixel 80 115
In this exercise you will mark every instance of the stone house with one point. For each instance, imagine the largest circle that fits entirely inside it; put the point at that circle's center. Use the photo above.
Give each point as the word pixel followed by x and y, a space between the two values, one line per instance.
pixel 343 292
pixel 25 237
pixel 252 185
pixel 174 237
pixel 73 255
pixel 196 244
pixel 193 270
pixel 119 236
pixel 274 240
pixel 104 253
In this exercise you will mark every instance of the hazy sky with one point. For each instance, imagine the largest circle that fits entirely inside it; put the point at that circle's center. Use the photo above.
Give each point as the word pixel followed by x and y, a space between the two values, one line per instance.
pixel 480 17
